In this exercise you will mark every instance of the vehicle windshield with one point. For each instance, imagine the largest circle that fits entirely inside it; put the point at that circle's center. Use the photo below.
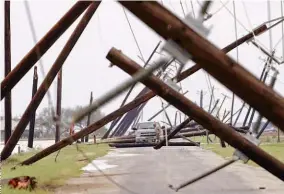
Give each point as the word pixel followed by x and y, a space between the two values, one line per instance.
pixel 149 125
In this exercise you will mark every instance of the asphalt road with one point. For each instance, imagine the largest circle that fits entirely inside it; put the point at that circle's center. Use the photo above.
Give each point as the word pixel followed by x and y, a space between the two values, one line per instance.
pixel 149 171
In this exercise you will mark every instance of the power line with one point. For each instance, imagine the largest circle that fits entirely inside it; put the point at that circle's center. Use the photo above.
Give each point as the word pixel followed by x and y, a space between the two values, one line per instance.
pixel 28 11
pixel 182 8
pixel 136 42
pixel 225 6
pixel 237 52
pixel 219 9
pixel 269 18
pixel 192 9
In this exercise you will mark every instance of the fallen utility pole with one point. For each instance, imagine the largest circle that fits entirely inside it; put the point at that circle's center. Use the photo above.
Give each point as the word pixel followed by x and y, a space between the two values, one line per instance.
pixel 167 116
pixel 240 111
pixel 222 143
pixel 89 117
pixel 8 98
pixel 201 99
pixel 220 129
pixel 58 106
pixel 232 108
pixel 131 145
pixel 211 98
pixel 218 112
pixel 255 128
pixel 211 59
pixel 131 105
pixel 173 133
pixel 7 150
pixel 253 111
pixel 33 115
pixel 261 78
pixel 224 115
pixel 175 123
pixel 42 46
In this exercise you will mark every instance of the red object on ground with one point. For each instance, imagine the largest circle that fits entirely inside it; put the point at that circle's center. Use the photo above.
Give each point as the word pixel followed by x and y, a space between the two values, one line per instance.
pixel 24 182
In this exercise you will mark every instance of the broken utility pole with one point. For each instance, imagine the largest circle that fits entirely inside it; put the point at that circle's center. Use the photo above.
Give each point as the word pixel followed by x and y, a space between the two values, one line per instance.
pixel 7 150
pixel 33 115
pixel 173 133
pixel 211 59
pixel 58 106
pixel 8 98
pixel 89 117
pixel 42 46
pixel 220 129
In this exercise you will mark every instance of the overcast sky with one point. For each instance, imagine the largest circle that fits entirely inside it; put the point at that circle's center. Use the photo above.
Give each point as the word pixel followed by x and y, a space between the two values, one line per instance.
pixel 86 69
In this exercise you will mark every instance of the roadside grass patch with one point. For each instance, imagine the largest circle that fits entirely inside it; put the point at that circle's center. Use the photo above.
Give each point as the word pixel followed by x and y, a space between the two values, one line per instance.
pixel 274 149
pixel 50 174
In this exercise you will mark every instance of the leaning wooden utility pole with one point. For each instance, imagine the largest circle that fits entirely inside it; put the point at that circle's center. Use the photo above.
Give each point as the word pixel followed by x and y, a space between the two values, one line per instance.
pixel 58 106
pixel 33 115
pixel 173 133
pixel 211 59
pixel 42 46
pixel 8 98
pixel 7 150
pixel 89 117
pixel 131 105
pixel 220 129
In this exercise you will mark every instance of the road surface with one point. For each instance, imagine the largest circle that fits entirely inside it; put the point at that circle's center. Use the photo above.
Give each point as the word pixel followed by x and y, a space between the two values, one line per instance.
pixel 149 171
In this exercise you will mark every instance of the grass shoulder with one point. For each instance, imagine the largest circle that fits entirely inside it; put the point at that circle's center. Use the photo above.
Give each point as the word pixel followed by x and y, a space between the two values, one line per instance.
pixel 50 174
pixel 274 149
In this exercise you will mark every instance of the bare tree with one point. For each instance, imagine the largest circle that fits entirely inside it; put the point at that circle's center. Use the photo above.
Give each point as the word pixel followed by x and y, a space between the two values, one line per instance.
pixel 46 124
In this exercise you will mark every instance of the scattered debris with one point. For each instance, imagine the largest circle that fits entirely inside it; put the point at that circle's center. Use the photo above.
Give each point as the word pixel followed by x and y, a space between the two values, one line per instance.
pixel 22 182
